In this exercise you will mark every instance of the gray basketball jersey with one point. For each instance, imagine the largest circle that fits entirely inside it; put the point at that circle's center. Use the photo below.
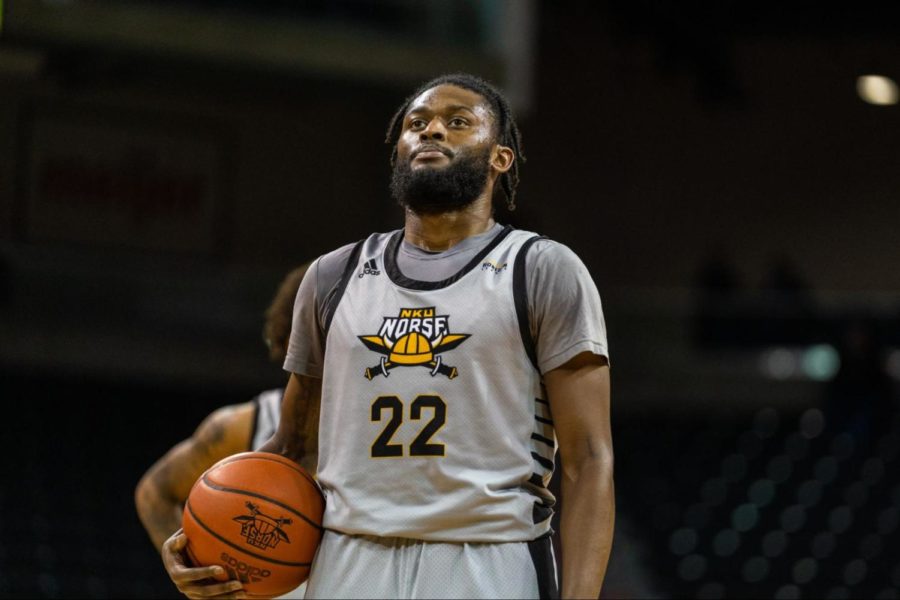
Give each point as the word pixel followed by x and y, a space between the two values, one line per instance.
pixel 434 424
pixel 268 413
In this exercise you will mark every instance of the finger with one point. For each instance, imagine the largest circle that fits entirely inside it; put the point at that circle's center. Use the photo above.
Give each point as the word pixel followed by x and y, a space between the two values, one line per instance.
pixel 172 548
pixel 227 589
pixel 172 557
pixel 177 541
pixel 185 575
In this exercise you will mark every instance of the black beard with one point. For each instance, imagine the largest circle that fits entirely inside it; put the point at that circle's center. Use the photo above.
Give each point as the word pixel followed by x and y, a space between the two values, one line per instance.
pixel 435 191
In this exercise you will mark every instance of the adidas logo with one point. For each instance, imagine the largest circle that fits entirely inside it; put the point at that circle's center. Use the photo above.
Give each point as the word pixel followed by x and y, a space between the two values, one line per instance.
pixel 370 268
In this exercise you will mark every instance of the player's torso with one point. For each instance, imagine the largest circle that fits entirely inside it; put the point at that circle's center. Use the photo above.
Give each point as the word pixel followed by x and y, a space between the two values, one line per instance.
pixel 429 405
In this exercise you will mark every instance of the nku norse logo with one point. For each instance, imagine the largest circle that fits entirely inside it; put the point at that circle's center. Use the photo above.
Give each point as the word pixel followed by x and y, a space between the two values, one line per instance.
pixel 261 530
pixel 415 338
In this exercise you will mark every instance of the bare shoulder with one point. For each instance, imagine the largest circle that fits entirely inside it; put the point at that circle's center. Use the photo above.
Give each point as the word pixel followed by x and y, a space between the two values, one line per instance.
pixel 226 430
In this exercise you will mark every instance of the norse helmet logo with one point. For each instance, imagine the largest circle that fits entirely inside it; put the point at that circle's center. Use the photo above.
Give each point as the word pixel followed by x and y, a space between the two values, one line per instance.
pixel 414 338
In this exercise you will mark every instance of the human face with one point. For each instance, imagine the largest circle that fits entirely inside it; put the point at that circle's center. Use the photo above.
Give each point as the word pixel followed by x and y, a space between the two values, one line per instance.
pixel 444 152
pixel 441 123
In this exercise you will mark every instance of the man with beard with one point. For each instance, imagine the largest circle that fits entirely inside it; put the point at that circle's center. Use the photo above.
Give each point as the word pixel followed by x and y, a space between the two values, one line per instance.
pixel 436 369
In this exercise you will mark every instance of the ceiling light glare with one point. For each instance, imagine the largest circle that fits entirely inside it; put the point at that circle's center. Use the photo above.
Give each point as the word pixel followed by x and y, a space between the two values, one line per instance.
pixel 877 89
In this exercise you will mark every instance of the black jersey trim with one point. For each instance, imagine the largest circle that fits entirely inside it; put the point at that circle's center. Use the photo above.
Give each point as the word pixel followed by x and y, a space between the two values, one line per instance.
pixel 540 512
pixel 537 481
pixel 541 419
pixel 544 462
pixel 539 438
pixel 544 567
pixel 393 271
pixel 335 299
pixel 520 296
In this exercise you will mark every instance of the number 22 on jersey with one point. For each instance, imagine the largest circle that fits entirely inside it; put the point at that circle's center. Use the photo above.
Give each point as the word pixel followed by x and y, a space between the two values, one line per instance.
pixel 391 410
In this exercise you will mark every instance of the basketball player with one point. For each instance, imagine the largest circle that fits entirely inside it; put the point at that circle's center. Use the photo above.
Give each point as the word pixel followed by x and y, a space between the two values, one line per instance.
pixel 436 369
pixel 162 491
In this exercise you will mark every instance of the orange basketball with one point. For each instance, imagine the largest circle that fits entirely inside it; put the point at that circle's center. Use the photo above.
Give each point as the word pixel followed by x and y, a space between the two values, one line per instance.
pixel 259 516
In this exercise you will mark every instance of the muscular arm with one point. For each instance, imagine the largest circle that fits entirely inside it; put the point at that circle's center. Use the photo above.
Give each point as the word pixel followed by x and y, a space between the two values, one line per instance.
pixel 579 401
pixel 297 436
pixel 162 490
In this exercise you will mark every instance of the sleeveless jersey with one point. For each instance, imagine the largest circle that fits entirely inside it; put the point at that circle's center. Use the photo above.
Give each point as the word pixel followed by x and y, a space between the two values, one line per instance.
pixel 267 416
pixel 434 423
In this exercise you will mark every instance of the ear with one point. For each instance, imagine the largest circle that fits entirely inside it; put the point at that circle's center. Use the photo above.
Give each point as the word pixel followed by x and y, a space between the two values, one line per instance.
pixel 502 158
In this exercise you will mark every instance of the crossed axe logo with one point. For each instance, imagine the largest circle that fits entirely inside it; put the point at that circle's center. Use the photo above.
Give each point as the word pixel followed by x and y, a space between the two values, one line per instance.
pixel 262 530
pixel 412 350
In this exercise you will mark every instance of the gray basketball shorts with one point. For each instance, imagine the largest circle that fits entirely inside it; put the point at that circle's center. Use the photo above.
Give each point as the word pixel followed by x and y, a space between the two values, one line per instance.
pixel 361 566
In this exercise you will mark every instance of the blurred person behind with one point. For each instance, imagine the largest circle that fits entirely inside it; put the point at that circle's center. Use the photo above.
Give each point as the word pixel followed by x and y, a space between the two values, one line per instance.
pixel 162 491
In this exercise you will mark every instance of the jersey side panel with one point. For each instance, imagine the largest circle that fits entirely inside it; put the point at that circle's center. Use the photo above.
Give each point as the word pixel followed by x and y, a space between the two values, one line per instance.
pixel 268 413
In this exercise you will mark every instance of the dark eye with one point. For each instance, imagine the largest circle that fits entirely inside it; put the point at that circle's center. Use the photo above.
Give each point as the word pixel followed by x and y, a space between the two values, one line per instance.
pixel 458 122
pixel 417 124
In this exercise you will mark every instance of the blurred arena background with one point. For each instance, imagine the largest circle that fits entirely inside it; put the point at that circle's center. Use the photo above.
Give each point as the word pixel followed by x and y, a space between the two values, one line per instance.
pixel 728 171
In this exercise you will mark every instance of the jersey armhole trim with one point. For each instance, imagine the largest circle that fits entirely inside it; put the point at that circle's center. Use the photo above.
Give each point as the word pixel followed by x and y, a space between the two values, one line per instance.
pixel 520 296
pixel 335 299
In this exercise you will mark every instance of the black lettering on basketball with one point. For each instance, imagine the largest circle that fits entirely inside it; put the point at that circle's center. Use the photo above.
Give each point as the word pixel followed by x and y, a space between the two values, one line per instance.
pixel 220 538
pixel 238 569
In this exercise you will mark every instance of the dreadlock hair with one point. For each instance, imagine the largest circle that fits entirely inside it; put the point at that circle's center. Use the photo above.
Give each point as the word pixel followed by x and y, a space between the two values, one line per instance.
pixel 506 130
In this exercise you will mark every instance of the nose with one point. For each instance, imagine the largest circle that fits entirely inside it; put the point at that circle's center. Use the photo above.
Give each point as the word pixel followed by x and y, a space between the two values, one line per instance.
pixel 434 131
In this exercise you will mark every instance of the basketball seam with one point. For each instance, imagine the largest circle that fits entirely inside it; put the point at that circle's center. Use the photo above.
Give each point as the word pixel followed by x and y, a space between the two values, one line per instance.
pixel 256 456
pixel 244 550
pixel 222 488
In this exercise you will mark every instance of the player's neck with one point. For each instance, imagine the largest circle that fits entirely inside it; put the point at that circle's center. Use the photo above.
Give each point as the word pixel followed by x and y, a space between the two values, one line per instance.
pixel 440 232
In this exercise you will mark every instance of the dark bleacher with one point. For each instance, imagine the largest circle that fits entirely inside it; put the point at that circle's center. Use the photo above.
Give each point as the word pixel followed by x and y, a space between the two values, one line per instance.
pixel 73 452
pixel 776 505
